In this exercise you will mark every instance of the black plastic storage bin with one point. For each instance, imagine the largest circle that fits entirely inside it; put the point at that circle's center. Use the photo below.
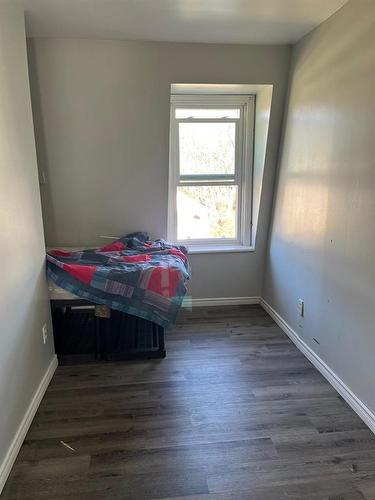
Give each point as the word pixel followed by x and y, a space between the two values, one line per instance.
pixel 76 334
pixel 124 336
pixel 84 332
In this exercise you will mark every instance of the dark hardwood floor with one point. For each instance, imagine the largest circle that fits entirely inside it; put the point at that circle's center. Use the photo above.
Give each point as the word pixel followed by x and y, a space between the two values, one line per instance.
pixel 233 412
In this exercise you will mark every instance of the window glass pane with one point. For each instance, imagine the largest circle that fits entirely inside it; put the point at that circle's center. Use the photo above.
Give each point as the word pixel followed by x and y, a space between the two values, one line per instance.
pixel 182 113
pixel 207 148
pixel 206 212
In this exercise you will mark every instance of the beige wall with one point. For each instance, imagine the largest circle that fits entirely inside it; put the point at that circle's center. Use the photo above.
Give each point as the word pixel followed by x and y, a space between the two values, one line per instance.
pixel 24 307
pixel 101 112
pixel 322 245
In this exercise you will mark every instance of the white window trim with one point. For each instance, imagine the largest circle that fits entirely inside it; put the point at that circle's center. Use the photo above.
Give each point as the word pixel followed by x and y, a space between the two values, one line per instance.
pixel 244 173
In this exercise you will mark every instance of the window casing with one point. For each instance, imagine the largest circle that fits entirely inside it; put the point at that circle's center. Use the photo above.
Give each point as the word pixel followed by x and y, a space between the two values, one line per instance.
pixel 210 177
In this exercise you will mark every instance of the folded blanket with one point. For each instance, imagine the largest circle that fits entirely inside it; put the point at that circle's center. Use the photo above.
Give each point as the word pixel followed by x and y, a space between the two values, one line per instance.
pixel 132 274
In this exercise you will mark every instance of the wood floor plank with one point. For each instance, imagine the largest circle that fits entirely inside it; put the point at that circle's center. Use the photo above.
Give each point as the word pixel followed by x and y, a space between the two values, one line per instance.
pixel 234 412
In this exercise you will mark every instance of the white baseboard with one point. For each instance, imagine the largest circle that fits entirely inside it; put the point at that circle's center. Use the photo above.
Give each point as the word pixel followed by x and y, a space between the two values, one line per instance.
pixel 356 404
pixel 14 448
pixel 219 301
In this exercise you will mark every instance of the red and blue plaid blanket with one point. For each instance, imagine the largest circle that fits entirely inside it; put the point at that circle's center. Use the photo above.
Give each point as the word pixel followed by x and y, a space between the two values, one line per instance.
pixel 132 274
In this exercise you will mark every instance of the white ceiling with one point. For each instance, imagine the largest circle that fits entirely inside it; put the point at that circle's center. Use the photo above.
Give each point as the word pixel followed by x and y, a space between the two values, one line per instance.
pixel 217 21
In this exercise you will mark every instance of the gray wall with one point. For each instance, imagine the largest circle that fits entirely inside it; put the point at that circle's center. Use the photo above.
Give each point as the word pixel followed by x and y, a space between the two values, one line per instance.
pixel 322 245
pixel 24 307
pixel 101 112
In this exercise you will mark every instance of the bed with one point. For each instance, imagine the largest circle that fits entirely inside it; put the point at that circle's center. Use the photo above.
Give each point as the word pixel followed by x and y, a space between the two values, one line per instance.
pixel 114 302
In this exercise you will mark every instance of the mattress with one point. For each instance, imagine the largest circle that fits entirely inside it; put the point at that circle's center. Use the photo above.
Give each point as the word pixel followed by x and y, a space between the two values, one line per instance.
pixel 134 275
pixel 55 291
pixel 58 293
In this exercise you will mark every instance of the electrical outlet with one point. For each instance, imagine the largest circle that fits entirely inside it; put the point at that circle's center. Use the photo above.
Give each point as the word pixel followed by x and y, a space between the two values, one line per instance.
pixel 44 333
pixel 301 308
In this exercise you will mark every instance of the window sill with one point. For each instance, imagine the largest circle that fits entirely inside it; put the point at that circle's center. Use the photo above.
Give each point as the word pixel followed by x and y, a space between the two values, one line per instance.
pixel 220 249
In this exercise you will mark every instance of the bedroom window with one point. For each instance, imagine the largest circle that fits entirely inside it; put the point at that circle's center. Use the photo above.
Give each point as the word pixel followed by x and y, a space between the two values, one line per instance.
pixel 211 150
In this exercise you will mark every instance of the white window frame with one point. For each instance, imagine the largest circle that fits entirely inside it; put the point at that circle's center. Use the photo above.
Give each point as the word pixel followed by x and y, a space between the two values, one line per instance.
pixel 243 168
